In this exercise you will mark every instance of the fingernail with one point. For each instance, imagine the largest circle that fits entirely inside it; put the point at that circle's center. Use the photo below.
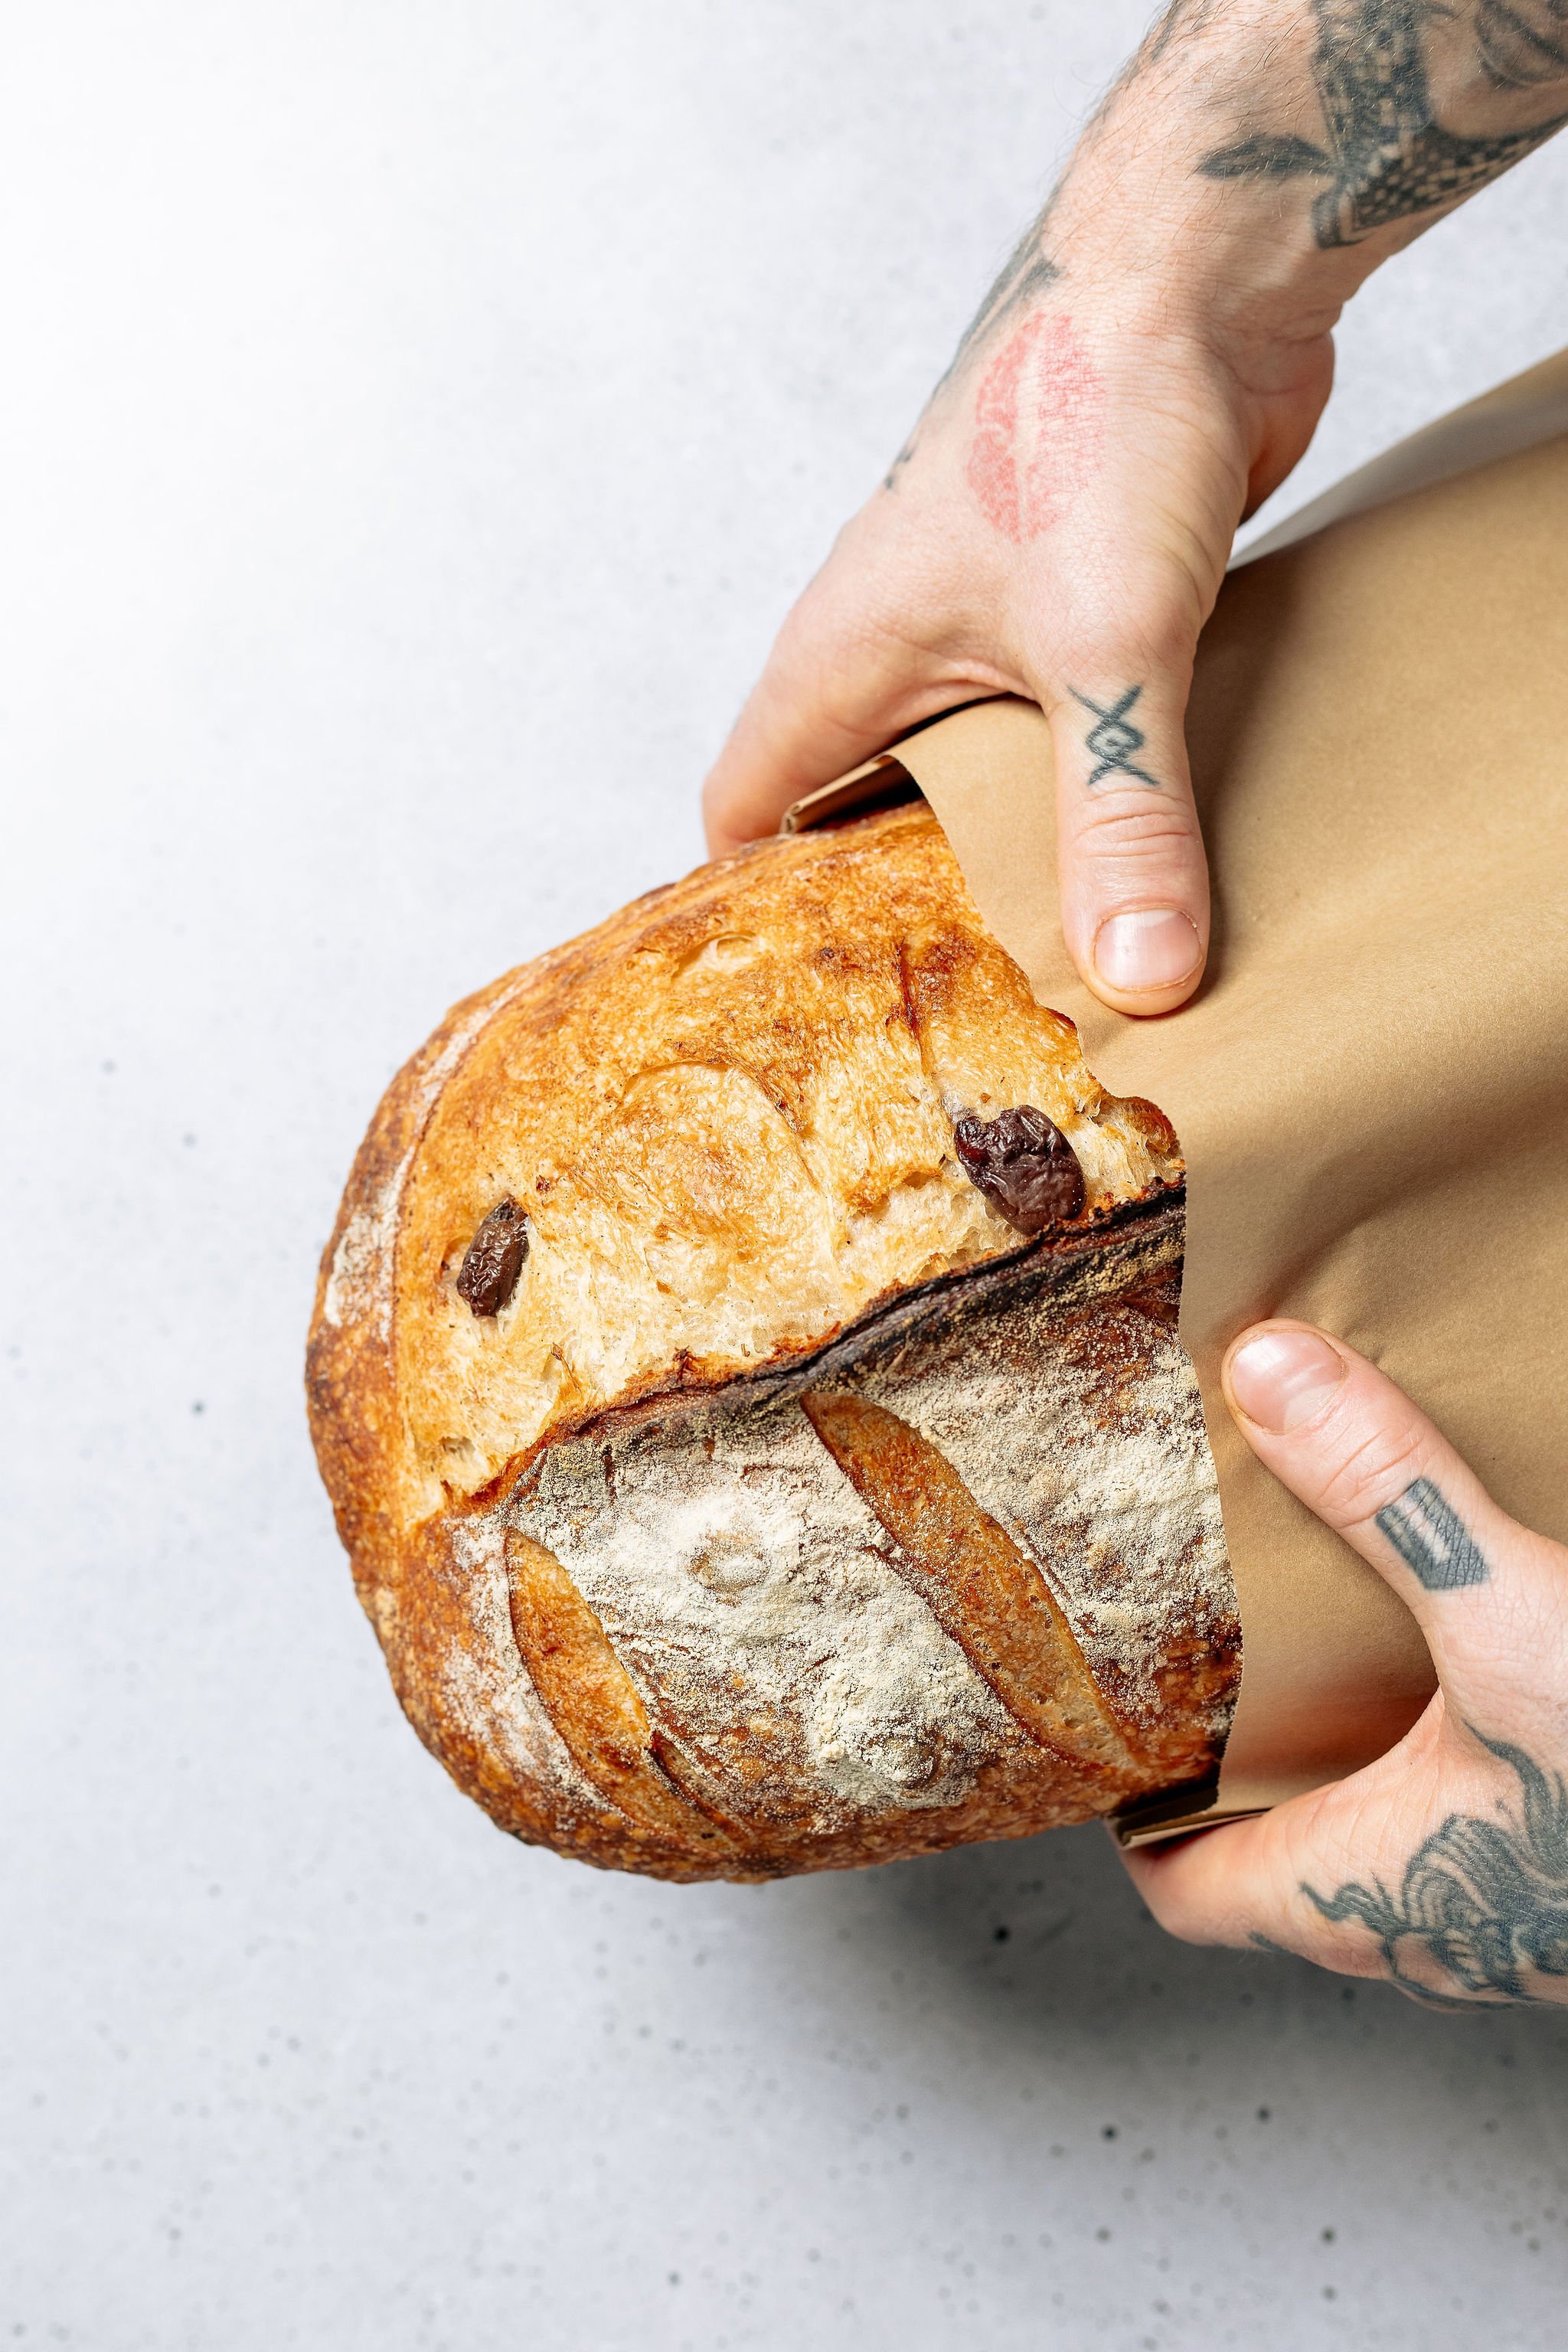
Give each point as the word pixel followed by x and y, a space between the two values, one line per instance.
pixel 1282 1378
pixel 1153 948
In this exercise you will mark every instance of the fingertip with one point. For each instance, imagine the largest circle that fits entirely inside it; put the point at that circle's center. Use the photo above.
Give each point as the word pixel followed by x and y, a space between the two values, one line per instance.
pixel 1190 1884
pixel 721 836
pixel 744 797
pixel 1280 1375
pixel 1146 959
pixel 1348 1442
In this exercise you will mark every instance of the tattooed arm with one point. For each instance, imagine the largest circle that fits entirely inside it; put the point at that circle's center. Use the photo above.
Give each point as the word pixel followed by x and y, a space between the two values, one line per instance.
pixel 1444 1866
pixel 1148 367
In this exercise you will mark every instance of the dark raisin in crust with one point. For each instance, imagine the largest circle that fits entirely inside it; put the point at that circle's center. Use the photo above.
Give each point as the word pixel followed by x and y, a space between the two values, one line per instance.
pixel 1024 1165
pixel 493 1259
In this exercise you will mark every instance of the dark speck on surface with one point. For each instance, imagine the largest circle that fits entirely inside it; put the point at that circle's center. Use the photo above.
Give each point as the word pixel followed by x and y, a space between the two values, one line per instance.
pixel 494 1259
pixel 1024 1165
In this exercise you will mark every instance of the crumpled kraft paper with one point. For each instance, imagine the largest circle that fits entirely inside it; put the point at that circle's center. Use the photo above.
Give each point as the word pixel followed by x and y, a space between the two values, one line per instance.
pixel 1371 1088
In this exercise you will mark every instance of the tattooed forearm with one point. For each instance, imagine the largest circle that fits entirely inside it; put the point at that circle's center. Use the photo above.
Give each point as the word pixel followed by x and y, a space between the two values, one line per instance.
pixel 1421 102
pixel 1431 1539
pixel 1387 157
pixel 1113 740
pixel 1482 1912
pixel 1522 41
pixel 1182 20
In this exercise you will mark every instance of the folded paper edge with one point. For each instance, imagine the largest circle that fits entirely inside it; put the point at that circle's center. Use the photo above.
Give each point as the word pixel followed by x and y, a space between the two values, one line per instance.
pixel 881 782
pixel 1512 417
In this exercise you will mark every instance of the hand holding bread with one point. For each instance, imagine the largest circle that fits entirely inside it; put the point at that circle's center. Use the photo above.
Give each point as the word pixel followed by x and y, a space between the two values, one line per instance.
pixel 1443 1866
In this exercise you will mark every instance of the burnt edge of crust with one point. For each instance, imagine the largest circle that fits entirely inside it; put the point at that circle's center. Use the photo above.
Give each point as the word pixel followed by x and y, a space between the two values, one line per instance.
pixel 1133 1263
pixel 1050 1259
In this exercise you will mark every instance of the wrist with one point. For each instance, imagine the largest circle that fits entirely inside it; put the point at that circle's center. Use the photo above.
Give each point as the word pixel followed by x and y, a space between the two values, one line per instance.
pixel 1181 254
pixel 1262 157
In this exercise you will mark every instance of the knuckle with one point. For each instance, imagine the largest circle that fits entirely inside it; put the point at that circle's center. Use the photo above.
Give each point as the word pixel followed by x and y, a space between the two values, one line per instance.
pixel 1135 819
pixel 812 641
pixel 1122 630
pixel 1377 1465
pixel 844 678
pixel 1137 831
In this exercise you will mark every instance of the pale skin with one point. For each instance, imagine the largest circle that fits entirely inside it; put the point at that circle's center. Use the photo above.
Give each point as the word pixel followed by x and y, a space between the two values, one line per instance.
pixel 1149 367
pixel 1444 1866
pixel 1152 365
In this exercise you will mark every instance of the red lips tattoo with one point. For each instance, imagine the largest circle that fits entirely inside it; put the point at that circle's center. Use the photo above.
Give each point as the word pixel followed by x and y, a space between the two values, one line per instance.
pixel 1038 428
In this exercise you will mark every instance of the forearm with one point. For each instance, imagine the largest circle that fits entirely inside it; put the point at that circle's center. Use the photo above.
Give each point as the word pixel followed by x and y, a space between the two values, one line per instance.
pixel 1145 373
pixel 1258 158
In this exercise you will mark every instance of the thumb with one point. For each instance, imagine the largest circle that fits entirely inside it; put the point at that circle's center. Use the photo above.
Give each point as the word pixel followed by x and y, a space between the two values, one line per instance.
pixel 1130 853
pixel 1354 1448
pixel 1337 1875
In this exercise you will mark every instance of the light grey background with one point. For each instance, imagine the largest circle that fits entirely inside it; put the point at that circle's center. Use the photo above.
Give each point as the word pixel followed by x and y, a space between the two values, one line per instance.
pixel 414 418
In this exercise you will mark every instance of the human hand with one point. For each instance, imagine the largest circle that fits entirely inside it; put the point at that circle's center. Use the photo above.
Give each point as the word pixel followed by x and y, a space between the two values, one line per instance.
pixel 1148 369
pixel 1057 528
pixel 1443 1866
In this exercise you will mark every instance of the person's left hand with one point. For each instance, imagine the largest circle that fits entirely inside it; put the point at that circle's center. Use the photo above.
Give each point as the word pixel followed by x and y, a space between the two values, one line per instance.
pixel 1443 1866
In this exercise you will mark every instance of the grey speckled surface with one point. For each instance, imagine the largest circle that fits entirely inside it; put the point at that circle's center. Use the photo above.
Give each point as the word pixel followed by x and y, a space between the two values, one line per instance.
pixel 414 419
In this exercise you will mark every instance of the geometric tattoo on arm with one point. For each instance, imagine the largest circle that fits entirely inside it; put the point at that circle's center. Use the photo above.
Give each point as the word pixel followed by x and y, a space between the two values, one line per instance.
pixel 1388 158
pixel 1431 1539
pixel 1483 1903
pixel 1112 739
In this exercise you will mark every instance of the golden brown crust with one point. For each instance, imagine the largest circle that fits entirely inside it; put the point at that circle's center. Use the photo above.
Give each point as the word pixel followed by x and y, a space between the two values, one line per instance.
pixel 727 1113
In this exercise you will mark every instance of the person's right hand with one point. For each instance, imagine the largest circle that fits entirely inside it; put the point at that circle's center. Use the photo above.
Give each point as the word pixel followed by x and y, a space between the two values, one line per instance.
pixel 1149 368
pixel 1058 529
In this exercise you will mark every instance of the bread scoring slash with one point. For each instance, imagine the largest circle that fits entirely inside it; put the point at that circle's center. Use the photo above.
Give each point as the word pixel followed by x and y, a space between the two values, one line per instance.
pixel 745 1373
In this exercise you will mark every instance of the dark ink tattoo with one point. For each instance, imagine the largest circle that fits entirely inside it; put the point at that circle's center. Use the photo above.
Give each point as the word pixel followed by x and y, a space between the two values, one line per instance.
pixel 1388 158
pixel 890 479
pixel 1522 41
pixel 1182 20
pixel 1484 1903
pixel 1029 274
pixel 1113 739
pixel 1431 1539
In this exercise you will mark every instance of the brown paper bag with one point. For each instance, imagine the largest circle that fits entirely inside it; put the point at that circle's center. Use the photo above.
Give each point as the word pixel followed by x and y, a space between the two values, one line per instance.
pixel 1372 1086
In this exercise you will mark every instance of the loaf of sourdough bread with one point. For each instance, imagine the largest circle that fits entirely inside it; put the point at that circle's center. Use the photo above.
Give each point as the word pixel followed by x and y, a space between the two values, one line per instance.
pixel 745 1373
